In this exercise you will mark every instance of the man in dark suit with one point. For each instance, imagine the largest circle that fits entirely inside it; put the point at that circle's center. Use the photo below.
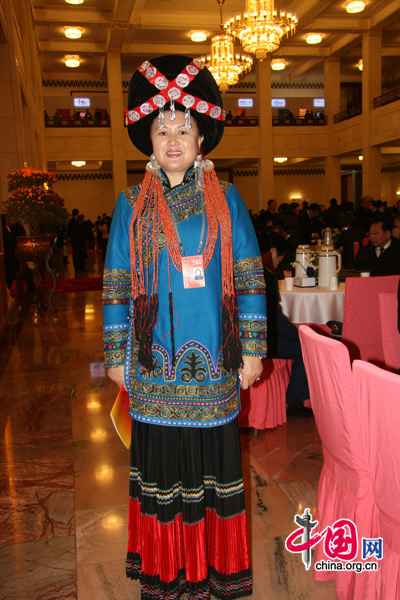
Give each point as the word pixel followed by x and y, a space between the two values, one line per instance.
pixel 308 223
pixel 350 233
pixel 271 211
pixel 382 255
pixel 363 213
pixel 75 236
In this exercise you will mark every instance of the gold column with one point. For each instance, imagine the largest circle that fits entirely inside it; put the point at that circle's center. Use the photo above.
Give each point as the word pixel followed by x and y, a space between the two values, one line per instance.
pixel 265 162
pixel 118 133
pixel 332 87
pixel 333 182
pixel 371 87
pixel 332 188
pixel 12 147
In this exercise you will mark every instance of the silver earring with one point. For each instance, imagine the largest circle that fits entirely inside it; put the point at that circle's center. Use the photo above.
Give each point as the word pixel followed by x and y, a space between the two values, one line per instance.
pixel 153 166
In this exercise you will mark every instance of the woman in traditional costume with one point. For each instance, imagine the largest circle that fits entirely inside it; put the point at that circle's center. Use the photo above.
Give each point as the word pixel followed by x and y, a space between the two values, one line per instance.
pixel 184 323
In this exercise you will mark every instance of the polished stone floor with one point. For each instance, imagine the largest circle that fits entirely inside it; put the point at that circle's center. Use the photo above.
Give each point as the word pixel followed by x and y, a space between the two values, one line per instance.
pixel 64 472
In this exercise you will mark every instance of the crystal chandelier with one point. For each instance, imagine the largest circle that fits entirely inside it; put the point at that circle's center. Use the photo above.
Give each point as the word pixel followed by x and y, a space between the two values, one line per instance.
pixel 260 28
pixel 224 64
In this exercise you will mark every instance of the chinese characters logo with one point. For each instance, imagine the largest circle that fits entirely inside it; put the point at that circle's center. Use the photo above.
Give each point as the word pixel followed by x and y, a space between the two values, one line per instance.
pixel 340 543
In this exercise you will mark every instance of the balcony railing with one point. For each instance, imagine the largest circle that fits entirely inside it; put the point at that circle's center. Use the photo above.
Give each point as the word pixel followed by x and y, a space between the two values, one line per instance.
pixel 298 121
pixel 391 96
pixel 353 111
pixel 72 122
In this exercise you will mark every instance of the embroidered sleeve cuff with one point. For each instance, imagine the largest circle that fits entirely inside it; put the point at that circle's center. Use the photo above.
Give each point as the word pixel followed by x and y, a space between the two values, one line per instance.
pixel 253 335
pixel 115 340
pixel 116 286
pixel 249 276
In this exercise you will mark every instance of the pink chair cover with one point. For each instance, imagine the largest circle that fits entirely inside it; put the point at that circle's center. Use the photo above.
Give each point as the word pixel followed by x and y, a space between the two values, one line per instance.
pixel 390 333
pixel 344 489
pixel 264 403
pixel 378 397
pixel 361 319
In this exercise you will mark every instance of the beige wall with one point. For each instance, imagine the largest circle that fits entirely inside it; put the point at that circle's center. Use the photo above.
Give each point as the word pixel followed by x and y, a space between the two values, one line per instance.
pixel 91 197
pixel 309 187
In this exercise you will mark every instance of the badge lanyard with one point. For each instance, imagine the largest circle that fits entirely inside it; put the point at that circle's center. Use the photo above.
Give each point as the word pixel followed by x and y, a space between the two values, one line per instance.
pixel 192 266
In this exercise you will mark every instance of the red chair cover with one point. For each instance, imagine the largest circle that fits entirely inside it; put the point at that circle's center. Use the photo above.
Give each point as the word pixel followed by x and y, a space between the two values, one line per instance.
pixel 361 319
pixel 344 489
pixel 390 333
pixel 264 403
pixel 378 397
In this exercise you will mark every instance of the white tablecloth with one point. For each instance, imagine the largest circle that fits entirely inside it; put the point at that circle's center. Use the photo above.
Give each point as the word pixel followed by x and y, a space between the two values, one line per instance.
pixel 312 305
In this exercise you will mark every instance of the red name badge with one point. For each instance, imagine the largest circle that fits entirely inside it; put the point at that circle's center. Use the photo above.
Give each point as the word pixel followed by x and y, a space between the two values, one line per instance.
pixel 193 272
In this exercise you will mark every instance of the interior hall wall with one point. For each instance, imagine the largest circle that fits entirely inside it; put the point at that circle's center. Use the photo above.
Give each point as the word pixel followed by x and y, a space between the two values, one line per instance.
pixel 91 197
pixel 308 186
pixel 55 98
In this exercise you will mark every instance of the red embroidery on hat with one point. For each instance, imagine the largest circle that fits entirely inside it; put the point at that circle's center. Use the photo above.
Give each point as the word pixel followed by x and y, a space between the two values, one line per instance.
pixel 172 90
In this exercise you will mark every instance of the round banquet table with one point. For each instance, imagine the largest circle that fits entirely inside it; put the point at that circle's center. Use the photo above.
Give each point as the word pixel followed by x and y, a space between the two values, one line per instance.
pixel 312 305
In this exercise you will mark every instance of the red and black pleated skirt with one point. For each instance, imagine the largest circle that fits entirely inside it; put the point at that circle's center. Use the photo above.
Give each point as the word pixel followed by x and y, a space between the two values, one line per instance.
pixel 187 520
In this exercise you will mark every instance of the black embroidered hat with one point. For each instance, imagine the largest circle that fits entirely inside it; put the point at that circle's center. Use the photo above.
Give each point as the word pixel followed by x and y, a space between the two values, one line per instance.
pixel 174 82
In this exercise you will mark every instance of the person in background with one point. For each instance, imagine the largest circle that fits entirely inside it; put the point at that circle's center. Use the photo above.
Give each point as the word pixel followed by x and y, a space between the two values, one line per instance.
pixel 332 214
pixel 287 224
pixel 396 226
pixel 350 233
pixel 363 213
pixel 304 207
pixel 382 255
pixel 97 225
pixel 282 336
pixel 11 230
pixel 308 224
pixel 271 211
pixel 76 239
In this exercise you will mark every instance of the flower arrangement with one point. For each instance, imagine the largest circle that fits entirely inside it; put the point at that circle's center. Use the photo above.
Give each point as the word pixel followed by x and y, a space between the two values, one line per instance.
pixel 312 258
pixel 32 200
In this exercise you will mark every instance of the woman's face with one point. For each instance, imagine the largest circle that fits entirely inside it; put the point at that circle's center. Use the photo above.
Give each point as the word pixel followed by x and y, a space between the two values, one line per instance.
pixel 174 146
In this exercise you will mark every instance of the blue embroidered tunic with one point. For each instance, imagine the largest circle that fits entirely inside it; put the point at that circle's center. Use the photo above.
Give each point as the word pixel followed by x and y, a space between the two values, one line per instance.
pixel 196 391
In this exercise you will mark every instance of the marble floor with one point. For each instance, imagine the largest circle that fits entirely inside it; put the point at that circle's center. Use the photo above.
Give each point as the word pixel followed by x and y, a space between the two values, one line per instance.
pixel 64 472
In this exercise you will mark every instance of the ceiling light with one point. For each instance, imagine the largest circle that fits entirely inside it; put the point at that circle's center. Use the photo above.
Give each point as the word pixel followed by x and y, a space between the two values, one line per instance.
pixel 360 157
pixel 224 65
pixel 74 1
pixel 72 61
pixel 278 64
pixel 313 38
pixel 360 64
pixel 260 29
pixel 355 6
pixel 73 33
pixel 280 159
pixel 78 163
pixel 198 36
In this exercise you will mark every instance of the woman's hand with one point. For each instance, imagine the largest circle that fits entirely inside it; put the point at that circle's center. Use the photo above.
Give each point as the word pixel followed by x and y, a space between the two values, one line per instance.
pixel 251 371
pixel 117 375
